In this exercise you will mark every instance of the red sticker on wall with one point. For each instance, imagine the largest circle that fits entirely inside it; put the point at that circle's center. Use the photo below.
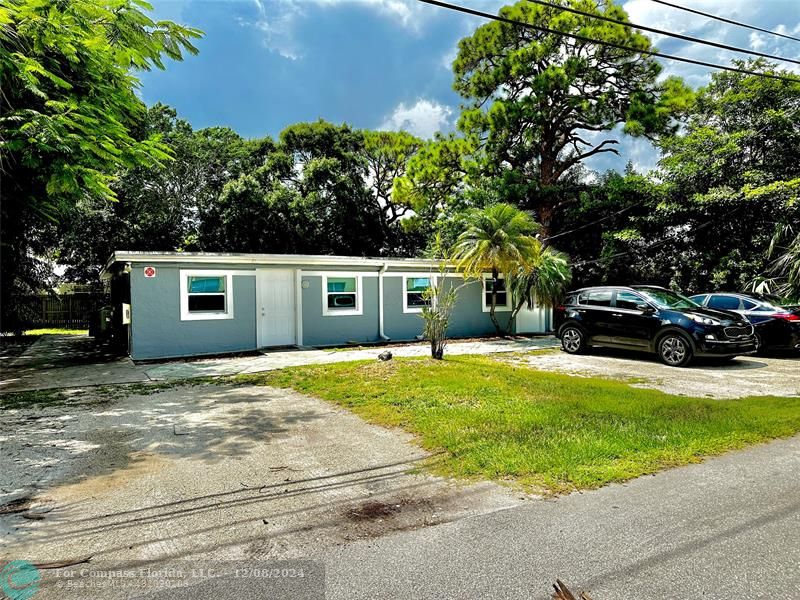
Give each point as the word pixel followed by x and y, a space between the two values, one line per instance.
pixel 149 271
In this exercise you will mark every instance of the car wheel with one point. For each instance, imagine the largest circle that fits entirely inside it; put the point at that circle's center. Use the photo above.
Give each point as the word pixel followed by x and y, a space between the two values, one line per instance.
pixel 573 341
pixel 674 350
pixel 759 344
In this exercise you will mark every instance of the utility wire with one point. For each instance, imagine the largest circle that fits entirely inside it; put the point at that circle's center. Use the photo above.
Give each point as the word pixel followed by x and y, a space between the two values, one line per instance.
pixel 589 224
pixel 679 36
pixel 485 15
pixel 724 20
pixel 658 243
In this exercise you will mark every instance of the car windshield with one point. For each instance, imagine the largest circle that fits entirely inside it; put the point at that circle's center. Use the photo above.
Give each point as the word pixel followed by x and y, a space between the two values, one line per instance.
pixel 668 299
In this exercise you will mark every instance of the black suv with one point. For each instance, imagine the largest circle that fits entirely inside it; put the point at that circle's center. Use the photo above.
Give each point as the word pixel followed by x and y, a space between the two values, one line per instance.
pixel 652 319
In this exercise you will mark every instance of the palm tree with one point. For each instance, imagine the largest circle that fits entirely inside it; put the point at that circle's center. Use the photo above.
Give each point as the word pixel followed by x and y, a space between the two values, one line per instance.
pixel 498 239
pixel 784 271
pixel 786 267
pixel 542 282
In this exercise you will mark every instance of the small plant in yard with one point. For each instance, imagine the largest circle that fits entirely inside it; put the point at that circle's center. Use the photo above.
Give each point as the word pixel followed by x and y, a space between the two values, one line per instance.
pixel 441 298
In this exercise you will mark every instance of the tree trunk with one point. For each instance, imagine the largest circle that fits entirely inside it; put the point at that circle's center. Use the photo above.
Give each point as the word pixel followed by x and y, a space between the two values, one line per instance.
pixel 513 318
pixel 492 315
pixel 546 213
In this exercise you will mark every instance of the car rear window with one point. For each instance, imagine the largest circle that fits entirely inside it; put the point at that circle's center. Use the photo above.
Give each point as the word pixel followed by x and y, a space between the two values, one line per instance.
pixel 748 304
pixel 724 302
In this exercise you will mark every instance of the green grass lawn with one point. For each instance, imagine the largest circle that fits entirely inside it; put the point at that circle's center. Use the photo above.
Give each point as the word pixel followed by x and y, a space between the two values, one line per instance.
pixel 545 431
pixel 57 331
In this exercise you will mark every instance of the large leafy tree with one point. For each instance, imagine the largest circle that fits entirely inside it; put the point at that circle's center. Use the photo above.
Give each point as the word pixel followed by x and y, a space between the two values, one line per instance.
pixel 437 186
pixel 727 183
pixel 388 155
pixel 310 197
pixel 499 240
pixel 541 103
pixel 165 206
pixel 67 114
pixel 732 179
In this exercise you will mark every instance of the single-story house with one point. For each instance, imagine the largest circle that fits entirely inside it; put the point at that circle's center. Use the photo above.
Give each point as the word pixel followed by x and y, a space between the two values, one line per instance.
pixel 189 304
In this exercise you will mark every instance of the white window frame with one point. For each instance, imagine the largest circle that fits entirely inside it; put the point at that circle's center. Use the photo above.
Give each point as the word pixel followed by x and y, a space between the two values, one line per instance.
pixel 205 316
pixel 431 283
pixel 507 307
pixel 334 312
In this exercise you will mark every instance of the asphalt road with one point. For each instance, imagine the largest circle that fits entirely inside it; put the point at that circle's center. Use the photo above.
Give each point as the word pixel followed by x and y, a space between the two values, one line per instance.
pixel 725 529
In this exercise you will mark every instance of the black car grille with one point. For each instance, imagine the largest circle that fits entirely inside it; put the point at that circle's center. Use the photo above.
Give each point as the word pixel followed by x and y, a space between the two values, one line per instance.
pixel 739 332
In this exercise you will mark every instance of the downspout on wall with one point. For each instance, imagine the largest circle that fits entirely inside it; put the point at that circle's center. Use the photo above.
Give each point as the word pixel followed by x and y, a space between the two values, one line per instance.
pixel 381 334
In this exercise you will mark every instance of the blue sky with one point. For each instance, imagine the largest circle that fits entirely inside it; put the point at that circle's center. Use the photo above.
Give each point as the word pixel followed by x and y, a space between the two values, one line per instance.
pixel 265 64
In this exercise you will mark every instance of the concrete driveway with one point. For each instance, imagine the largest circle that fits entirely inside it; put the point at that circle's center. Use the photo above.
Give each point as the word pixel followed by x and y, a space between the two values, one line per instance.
pixel 211 471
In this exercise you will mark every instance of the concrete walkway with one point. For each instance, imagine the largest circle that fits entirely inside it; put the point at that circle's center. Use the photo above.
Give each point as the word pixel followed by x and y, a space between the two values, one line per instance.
pixel 60 361
pixel 63 361
pixel 269 361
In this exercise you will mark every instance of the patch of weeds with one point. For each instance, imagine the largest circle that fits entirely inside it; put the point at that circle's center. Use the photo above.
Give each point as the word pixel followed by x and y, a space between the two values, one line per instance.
pixel 33 398
pixel 92 395
pixel 523 354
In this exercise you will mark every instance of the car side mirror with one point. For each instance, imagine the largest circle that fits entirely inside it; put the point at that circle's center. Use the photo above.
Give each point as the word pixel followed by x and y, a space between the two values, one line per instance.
pixel 644 307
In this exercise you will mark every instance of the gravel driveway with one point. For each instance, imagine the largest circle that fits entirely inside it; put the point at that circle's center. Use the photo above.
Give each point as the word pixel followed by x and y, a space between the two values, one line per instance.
pixel 744 376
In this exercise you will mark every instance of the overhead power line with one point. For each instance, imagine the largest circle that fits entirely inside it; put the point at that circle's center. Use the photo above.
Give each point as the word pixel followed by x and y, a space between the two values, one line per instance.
pixel 595 222
pixel 724 20
pixel 679 36
pixel 485 15
pixel 658 243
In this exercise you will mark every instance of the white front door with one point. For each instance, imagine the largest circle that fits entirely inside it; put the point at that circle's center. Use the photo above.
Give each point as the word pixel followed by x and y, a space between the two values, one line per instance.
pixel 275 307
pixel 535 320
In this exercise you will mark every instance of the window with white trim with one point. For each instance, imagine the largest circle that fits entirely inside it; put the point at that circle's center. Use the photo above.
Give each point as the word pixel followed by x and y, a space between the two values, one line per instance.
pixel 414 297
pixel 206 295
pixel 502 297
pixel 341 295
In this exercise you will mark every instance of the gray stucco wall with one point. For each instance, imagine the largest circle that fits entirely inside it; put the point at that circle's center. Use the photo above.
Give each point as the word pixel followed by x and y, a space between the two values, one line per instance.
pixel 156 327
pixel 324 330
pixel 158 332
pixel 396 324
pixel 468 318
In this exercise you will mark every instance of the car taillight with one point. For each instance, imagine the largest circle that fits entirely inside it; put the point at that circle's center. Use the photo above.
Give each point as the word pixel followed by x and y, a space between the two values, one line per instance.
pixel 561 309
pixel 786 316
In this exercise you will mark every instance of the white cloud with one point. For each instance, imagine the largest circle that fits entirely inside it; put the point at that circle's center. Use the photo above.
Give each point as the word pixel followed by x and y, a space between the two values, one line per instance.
pixel 422 119
pixel 757 41
pixel 402 10
pixel 448 58
pixel 277 19
pixel 276 24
